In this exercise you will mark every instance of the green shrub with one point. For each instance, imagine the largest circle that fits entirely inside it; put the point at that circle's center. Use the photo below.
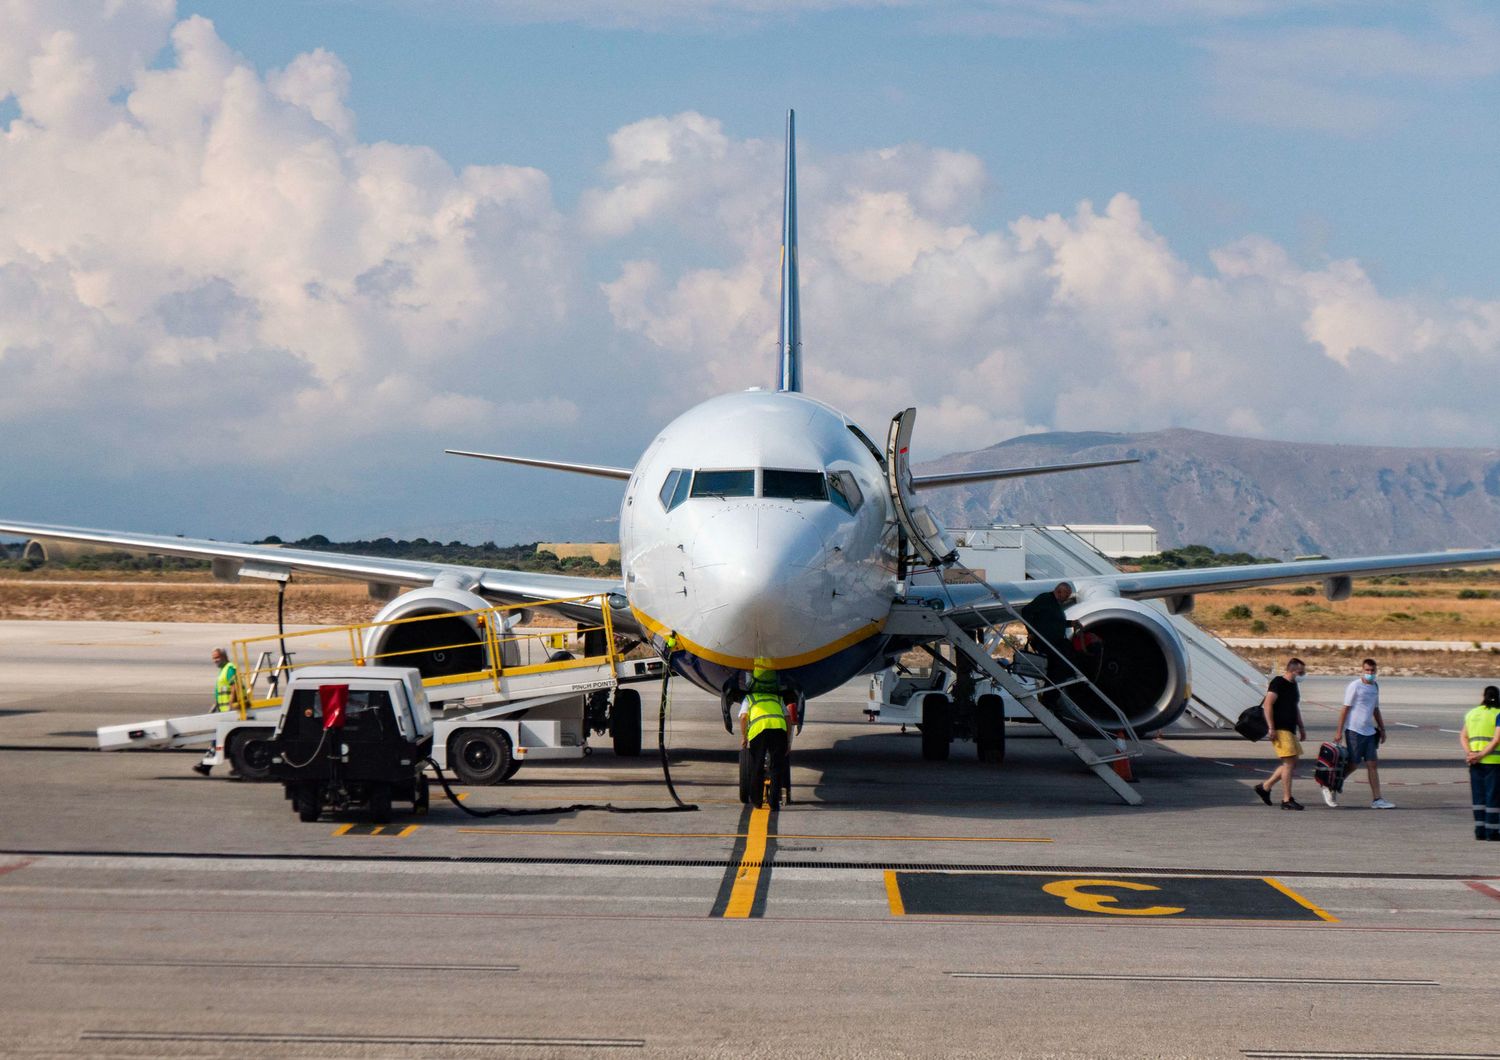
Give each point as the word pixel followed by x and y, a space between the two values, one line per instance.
pixel 1304 590
pixel 1400 616
pixel 1474 594
pixel 1276 611
pixel 1258 627
pixel 1239 611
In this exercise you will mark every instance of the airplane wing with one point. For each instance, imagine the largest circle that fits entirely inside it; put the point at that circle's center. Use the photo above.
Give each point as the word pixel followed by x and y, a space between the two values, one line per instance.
pixel 597 470
pixel 978 602
pixel 230 559
pixel 955 478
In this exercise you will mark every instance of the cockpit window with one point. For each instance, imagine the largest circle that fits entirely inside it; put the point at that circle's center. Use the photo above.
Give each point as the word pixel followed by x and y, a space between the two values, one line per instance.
pixel 844 491
pixel 793 485
pixel 675 490
pixel 723 483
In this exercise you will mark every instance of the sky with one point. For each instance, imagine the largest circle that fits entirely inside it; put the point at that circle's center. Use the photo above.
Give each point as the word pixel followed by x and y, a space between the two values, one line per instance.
pixel 261 263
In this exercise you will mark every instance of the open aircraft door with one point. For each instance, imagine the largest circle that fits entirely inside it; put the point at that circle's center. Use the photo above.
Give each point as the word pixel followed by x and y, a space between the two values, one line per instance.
pixel 921 529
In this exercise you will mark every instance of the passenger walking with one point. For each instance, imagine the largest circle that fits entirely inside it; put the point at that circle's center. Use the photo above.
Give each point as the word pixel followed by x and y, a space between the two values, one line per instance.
pixel 1282 705
pixel 1047 621
pixel 1363 731
pixel 1480 740
pixel 226 697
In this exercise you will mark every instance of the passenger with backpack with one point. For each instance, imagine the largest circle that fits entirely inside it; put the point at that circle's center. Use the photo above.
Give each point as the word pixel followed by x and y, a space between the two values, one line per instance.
pixel 1284 718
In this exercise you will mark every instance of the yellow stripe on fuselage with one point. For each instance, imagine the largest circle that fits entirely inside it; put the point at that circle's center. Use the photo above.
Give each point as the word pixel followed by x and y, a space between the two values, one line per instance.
pixel 782 662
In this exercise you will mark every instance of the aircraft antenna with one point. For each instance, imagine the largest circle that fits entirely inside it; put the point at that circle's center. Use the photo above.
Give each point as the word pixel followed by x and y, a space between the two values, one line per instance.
pixel 789 344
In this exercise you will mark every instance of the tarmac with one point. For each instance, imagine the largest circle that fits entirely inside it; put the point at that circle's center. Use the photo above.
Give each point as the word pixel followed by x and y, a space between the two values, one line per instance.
pixel 896 908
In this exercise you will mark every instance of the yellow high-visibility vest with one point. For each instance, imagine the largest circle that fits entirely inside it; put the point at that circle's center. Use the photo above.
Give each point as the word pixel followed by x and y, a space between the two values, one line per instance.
pixel 767 709
pixel 1479 723
pixel 224 691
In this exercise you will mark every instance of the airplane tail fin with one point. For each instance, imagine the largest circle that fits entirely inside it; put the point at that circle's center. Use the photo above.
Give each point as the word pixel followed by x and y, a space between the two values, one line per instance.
pixel 789 345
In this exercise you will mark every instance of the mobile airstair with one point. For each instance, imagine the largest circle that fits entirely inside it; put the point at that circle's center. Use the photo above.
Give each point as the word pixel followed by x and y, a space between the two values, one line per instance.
pixel 972 640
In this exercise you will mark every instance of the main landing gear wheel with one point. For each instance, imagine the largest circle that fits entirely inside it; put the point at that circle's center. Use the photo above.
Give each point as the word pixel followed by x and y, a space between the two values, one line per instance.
pixel 625 723
pixel 249 752
pixel 937 727
pixel 989 726
pixel 481 756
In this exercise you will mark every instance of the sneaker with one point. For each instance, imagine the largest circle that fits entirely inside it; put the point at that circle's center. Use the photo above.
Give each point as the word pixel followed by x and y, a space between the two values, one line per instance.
pixel 1381 804
pixel 1329 798
pixel 202 770
pixel 1291 804
pixel 1265 796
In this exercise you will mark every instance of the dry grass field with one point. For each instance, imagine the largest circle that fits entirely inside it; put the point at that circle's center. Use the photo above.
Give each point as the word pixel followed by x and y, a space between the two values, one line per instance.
pixel 1410 608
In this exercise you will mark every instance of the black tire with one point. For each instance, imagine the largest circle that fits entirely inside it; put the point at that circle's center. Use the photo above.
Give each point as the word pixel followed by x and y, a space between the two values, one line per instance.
pixel 745 775
pixel 625 723
pixel 380 803
pixel 480 756
pixel 989 729
pixel 937 728
pixel 249 752
pixel 309 802
pixel 510 770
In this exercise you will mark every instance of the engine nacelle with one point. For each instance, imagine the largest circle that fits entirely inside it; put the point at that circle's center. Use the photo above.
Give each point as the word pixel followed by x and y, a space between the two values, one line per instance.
pixel 1142 665
pixel 437 647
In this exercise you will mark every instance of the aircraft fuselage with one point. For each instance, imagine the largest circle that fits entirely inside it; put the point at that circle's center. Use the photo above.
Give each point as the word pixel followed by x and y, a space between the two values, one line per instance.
pixel 757 525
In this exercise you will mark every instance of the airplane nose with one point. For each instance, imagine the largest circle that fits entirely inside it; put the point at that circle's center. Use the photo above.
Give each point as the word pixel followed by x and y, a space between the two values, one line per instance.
pixel 760 582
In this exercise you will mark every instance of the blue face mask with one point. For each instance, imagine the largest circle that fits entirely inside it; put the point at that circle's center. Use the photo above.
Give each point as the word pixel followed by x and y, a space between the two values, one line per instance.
pixel 1368 679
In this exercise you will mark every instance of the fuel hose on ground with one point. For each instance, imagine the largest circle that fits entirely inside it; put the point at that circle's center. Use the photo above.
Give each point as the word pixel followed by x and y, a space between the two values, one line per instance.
pixel 661 742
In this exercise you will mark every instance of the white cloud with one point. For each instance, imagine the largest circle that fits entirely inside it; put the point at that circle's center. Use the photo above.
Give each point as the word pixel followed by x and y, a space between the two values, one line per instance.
pixel 201 263
pixel 213 245
pixel 1084 321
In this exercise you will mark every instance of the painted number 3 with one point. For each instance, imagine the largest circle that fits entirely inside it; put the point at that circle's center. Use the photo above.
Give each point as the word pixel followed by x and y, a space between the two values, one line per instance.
pixel 1073 896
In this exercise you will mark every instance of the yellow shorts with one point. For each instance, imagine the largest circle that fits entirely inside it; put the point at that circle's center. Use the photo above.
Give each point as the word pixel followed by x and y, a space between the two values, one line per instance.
pixel 1284 741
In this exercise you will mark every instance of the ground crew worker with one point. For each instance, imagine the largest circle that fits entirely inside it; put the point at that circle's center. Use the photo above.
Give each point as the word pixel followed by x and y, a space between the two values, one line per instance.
pixel 1480 739
pixel 765 732
pixel 226 697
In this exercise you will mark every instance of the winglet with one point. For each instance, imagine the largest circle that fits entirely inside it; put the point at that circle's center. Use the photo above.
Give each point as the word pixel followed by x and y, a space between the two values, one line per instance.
pixel 789 344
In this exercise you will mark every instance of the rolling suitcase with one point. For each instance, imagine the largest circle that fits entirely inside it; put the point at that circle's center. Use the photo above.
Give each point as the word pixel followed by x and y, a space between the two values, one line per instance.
pixel 1332 767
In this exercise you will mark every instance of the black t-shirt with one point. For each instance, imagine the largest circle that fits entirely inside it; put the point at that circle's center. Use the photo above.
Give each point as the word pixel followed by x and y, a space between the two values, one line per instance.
pixel 1284 712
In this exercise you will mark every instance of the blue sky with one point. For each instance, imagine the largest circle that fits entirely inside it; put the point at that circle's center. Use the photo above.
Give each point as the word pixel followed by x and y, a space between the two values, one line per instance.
pixel 386 228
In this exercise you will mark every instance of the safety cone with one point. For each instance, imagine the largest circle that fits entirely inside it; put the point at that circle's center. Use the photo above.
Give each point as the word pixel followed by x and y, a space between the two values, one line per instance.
pixel 1122 765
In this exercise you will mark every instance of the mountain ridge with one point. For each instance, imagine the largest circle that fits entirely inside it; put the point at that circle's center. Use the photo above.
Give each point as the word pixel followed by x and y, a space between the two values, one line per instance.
pixel 1270 497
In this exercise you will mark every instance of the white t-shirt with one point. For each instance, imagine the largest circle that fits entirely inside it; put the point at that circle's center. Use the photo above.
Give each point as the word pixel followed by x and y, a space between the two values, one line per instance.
pixel 1362 699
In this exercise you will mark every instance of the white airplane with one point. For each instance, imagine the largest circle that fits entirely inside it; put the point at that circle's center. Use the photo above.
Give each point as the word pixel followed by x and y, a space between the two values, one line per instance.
pixel 766 524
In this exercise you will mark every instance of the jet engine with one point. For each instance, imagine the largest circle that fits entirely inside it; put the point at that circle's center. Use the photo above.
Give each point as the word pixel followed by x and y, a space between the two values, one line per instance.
pixel 437 646
pixel 1135 657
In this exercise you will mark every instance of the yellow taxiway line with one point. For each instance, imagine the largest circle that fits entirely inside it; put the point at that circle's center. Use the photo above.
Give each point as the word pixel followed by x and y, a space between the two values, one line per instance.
pixel 742 897
pixel 1294 896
